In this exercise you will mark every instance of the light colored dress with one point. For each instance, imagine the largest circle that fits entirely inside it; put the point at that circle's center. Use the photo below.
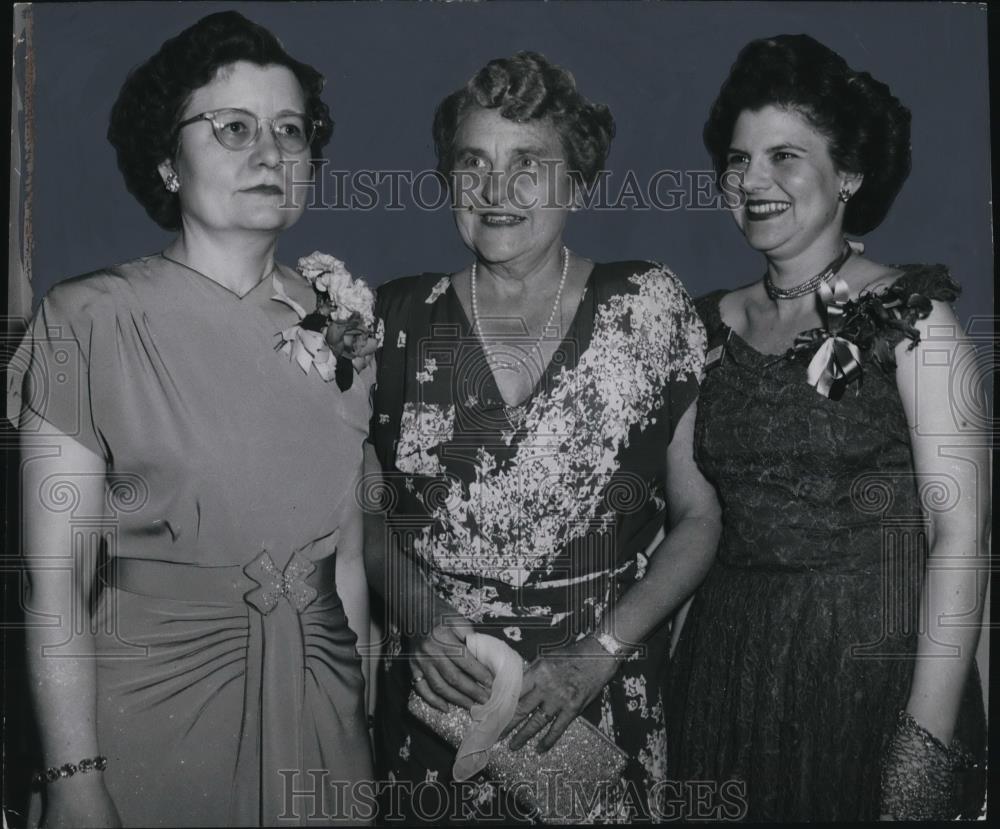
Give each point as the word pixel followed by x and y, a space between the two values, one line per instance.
pixel 227 674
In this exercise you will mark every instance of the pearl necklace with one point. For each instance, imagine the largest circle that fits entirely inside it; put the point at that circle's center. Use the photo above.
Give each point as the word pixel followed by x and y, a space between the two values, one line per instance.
pixel 810 285
pixel 555 305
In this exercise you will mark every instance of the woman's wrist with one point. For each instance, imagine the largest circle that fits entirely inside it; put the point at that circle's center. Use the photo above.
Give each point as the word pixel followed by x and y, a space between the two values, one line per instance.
pixel 919 773
pixel 65 771
pixel 612 644
pixel 596 661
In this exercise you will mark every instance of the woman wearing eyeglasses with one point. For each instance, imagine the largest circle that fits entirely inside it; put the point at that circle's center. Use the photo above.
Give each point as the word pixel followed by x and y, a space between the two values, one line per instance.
pixel 217 678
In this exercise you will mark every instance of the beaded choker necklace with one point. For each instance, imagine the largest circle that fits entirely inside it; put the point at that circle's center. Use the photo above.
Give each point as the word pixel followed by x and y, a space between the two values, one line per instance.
pixel 810 285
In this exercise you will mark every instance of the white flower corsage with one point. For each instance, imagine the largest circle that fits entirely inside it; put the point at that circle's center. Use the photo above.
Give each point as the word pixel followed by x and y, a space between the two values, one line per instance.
pixel 342 324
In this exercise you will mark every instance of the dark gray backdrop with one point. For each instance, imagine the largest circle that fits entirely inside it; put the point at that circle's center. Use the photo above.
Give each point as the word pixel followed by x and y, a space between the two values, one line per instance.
pixel 658 66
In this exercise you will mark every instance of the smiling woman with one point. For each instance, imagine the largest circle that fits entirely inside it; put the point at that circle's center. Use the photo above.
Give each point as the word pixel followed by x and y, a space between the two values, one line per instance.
pixel 220 667
pixel 504 174
pixel 817 668
pixel 533 418
pixel 789 181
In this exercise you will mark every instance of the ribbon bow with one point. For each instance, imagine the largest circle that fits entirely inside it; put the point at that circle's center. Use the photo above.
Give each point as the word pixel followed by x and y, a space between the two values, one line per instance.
pixel 275 583
pixel 837 361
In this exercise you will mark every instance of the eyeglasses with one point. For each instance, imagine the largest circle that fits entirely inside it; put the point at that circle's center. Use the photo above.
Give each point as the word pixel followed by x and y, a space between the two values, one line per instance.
pixel 237 129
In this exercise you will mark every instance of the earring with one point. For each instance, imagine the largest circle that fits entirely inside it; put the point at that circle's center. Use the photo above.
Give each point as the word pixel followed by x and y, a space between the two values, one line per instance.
pixel 845 193
pixel 173 183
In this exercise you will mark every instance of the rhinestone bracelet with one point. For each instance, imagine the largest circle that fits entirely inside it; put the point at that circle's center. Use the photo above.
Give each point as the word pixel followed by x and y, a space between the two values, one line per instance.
pixel 50 775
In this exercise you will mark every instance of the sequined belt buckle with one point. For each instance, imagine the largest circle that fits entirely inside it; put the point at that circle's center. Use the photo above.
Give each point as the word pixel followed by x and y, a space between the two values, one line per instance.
pixel 274 584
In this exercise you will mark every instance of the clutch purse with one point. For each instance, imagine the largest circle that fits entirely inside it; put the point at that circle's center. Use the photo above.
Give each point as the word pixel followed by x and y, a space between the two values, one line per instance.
pixel 561 786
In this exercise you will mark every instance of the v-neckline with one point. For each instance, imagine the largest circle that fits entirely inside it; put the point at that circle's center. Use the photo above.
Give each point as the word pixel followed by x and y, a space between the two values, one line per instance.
pixel 266 317
pixel 194 272
pixel 549 365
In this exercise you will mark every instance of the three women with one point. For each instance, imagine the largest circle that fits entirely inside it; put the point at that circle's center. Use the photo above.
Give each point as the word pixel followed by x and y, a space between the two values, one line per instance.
pixel 535 418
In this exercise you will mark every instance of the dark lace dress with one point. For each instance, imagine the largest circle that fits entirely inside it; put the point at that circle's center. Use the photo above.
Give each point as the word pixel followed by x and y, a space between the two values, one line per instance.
pixel 797 652
pixel 530 522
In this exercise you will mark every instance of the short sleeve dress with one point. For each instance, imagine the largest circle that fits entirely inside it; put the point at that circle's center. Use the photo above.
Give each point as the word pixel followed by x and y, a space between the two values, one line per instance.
pixel 531 521
pixel 798 650
pixel 227 675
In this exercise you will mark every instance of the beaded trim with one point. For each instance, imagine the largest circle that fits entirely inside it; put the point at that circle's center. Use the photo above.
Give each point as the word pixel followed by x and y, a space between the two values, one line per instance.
pixel 50 775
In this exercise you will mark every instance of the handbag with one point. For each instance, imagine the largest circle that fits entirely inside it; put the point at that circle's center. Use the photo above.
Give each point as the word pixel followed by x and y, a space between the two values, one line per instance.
pixel 564 785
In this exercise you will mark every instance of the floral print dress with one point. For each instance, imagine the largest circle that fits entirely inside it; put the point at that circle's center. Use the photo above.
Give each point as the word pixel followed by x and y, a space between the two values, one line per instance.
pixel 531 521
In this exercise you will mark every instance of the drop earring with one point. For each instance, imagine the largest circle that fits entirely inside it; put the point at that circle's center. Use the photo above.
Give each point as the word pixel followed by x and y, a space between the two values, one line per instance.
pixel 172 183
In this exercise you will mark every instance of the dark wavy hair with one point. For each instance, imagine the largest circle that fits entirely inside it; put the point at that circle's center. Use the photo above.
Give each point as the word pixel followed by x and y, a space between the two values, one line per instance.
pixel 143 126
pixel 526 87
pixel 867 128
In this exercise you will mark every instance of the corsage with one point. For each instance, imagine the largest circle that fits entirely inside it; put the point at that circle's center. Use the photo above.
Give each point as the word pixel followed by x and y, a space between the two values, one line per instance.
pixel 340 335
pixel 855 327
